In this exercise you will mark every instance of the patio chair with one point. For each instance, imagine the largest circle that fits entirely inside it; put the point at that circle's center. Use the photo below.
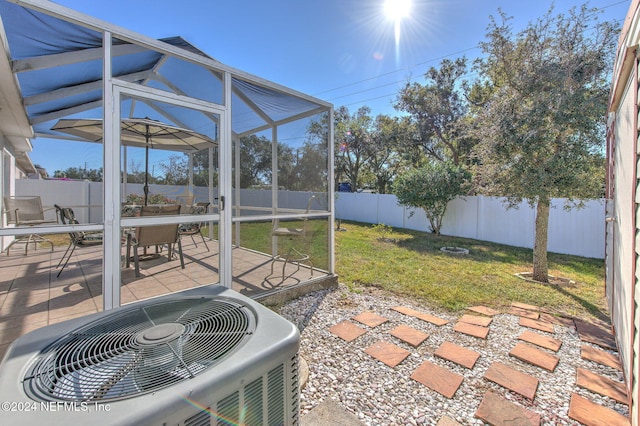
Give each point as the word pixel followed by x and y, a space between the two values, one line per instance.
pixel 66 216
pixel 26 211
pixel 293 255
pixel 195 228
pixel 155 235
pixel 185 200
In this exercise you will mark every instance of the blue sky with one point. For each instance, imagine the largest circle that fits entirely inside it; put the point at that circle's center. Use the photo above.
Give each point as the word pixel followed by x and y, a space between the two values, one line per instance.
pixel 342 51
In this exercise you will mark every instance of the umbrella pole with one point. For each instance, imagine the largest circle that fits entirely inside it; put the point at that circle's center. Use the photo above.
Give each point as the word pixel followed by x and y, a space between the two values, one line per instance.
pixel 146 168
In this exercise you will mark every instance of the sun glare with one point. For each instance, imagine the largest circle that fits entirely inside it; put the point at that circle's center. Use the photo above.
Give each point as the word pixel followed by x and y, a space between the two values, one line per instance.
pixel 397 9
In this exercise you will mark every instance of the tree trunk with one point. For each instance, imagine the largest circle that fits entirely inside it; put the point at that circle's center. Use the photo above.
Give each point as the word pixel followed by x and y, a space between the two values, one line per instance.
pixel 540 264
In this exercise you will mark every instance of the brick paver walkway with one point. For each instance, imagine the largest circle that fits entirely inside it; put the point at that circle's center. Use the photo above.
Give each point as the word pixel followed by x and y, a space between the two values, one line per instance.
pixel 546 342
pixel 388 353
pixel 496 410
pixel 347 330
pixel 592 414
pixel 438 378
pixel 370 319
pixel 538 357
pixel 484 310
pixel 421 315
pixel 512 379
pixel 471 330
pixel 476 320
pixel 536 346
pixel 410 335
pixel 601 357
pixel 602 385
pixel 454 353
pixel 536 324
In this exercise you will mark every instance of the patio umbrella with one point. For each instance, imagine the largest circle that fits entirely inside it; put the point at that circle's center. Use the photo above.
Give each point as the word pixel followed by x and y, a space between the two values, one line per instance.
pixel 139 132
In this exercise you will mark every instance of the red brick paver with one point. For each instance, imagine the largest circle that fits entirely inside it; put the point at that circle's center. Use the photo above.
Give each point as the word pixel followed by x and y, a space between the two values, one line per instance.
pixel 602 385
pixel 476 320
pixel 554 319
pixel 513 380
pixel 388 353
pixel 525 306
pixel 540 340
pixel 595 334
pixel 447 421
pixel 438 379
pixel 370 319
pixel 592 414
pixel 601 357
pixel 497 411
pixel 524 313
pixel 454 353
pixel 484 310
pixel 421 315
pixel 410 335
pixel 347 330
pixel 534 356
pixel 471 330
pixel 538 325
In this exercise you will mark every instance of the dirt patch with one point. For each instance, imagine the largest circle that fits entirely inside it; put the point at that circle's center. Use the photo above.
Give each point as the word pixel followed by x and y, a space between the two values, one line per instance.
pixel 559 281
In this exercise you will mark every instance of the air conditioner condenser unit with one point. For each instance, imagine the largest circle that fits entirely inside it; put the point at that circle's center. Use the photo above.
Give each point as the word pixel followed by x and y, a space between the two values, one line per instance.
pixel 204 356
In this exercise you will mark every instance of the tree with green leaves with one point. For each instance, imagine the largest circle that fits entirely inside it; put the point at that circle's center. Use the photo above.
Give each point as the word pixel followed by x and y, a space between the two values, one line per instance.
pixel 431 187
pixel 353 137
pixel 384 152
pixel 541 126
pixel 438 110
pixel 93 175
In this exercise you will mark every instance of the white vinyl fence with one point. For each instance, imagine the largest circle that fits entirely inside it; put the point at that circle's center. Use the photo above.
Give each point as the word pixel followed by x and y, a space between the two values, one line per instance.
pixel 579 232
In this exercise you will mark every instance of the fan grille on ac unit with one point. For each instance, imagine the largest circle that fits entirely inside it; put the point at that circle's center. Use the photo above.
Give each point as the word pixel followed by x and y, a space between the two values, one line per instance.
pixel 140 350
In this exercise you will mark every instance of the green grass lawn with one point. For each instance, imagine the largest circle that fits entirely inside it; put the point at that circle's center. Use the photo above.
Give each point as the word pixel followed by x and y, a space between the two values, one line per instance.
pixel 414 266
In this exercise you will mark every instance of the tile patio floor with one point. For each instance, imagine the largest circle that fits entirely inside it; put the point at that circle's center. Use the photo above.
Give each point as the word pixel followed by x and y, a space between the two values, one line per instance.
pixel 31 296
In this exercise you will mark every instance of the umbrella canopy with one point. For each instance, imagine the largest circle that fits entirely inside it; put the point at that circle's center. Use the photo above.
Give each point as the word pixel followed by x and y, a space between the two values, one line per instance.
pixel 139 132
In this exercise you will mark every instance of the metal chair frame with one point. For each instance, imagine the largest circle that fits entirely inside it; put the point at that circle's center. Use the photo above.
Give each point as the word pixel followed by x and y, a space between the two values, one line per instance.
pixel 66 216
pixel 293 256
pixel 194 228
pixel 26 211
pixel 155 235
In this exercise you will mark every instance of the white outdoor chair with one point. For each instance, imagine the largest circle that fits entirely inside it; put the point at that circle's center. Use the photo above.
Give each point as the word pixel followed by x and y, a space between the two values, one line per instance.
pixel 26 211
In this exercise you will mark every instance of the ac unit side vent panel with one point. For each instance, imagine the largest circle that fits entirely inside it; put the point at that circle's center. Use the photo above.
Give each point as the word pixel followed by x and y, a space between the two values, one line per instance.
pixel 229 410
pixel 276 395
pixel 294 390
pixel 203 418
pixel 253 396
pixel 263 398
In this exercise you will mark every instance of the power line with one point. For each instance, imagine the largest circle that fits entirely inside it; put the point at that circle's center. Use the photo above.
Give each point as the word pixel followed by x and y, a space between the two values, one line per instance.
pixel 408 68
